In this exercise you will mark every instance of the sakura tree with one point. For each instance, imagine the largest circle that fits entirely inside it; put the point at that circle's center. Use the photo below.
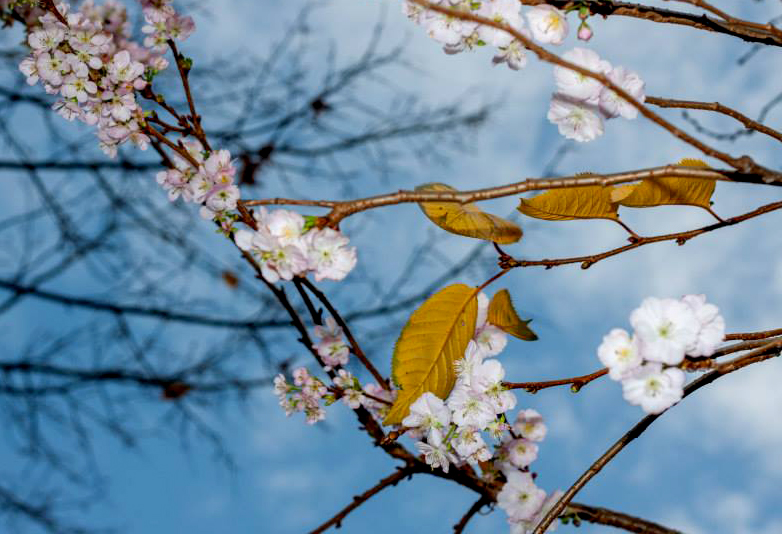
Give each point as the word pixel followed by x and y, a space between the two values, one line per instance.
pixel 442 404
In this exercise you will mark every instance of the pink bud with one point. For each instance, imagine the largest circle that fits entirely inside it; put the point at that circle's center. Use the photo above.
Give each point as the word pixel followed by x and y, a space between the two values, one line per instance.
pixel 584 32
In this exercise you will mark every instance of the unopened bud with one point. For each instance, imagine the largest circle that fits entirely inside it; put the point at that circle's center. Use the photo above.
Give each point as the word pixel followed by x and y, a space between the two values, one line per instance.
pixel 584 32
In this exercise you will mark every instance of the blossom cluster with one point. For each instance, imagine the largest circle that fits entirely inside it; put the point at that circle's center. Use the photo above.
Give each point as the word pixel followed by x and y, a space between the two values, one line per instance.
pixel 580 104
pixel 94 66
pixel 451 431
pixel 308 392
pixel 547 25
pixel 664 332
pixel 286 245
pixel 331 347
pixel 211 184
pixel 304 395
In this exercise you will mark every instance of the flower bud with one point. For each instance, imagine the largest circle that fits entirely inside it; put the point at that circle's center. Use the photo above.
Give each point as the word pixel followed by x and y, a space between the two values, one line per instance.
pixel 584 32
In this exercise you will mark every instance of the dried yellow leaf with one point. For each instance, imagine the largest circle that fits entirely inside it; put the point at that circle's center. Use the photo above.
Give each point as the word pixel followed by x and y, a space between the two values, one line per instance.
pixel 586 202
pixel 468 219
pixel 434 338
pixel 503 315
pixel 668 191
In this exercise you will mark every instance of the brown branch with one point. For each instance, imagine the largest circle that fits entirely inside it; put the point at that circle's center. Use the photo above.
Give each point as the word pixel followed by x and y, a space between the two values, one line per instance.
pixel 356 348
pixel 748 31
pixel 743 163
pixel 733 21
pixel 195 118
pixel 717 108
pixel 754 335
pixel 343 209
pixel 604 516
pixel 147 128
pixel 49 6
pixel 391 480
pixel 765 352
pixel 680 238
pixel 576 383
pixel 458 528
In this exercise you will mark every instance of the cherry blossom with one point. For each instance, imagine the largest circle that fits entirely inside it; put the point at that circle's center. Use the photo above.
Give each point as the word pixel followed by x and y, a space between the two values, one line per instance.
pixel 429 413
pixel 575 120
pixel 547 24
pixel 519 497
pixel 528 526
pixel 470 409
pixel 331 347
pixel 434 451
pixel 328 254
pixel 577 86
pixel 620 353
pixel 712 326
pixel 665 329
pixel 521 452
pixel 611 104
pixel 529 424
pixel 653 388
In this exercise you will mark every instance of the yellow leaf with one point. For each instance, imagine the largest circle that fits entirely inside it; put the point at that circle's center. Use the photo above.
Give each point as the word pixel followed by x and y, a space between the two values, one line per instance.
pixel 434 338
pixel 503 315
pixel 586 202
pixel 665 191
pixel 467 219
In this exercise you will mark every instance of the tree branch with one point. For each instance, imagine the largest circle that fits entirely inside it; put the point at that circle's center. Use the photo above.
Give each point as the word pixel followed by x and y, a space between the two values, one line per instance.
pixel 343 209
pixel 744 30
pixel 391 480
pixel 576 383
pixel 717 108
pixel 458 528
pixel 767 351
pixel 680 238
pixel 604 516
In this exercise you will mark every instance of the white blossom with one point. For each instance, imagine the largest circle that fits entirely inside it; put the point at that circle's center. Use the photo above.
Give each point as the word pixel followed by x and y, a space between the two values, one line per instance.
pixel 654 389
pixel 328 254
pixel 577 86
pixel 429 413
pixel 486 380
pixel 620 353
pixel 529 424
pixel 503 12
pixel 611 104
pixel 575 120
pixel 469 408
pixel 548 24
pixel 712 326
pixel 519 497
pixel 435 453
pixel 528 526
pixel 514 54
pixel 521 452
pixel 665 329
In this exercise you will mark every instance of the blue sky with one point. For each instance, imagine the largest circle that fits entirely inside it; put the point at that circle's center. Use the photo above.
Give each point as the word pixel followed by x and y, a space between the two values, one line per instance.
pixel 710 465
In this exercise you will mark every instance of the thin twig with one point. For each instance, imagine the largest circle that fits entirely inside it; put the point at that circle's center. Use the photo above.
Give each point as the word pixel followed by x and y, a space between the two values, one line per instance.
pixel 604 516
pixel 576 383
pixel 391 480
pixel 754 335
pixel 748 31
pixel 458 528
pixel 680 237
pixel 717 108
pixel 356 348
pixel 198 131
